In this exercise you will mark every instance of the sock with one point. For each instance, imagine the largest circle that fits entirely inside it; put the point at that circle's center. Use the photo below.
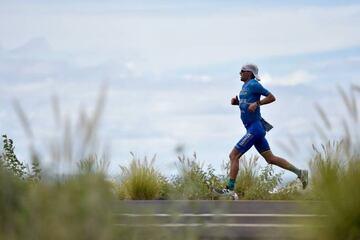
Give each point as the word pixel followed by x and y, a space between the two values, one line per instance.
pixel 295 170
pixel 231 184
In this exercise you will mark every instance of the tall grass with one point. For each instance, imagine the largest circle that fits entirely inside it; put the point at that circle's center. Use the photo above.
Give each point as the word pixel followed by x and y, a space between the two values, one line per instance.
pixel 140 180
pixel 262 183
pixel 75 208
pixel 335 169
pixel 336 178
pixel 35 205
pixel 195 182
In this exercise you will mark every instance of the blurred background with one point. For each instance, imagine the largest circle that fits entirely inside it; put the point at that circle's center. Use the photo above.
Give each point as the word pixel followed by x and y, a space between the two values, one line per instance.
pixel 170 69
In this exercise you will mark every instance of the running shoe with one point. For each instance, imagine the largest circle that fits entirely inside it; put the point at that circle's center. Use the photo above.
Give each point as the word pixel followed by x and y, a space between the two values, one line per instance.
pixel 225 192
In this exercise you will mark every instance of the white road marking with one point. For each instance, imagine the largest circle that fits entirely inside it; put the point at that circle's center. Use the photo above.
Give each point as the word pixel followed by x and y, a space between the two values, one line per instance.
pixel 247 225
pixel 217 215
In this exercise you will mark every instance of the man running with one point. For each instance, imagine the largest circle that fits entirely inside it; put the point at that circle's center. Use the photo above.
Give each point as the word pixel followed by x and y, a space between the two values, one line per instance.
pixel 256 128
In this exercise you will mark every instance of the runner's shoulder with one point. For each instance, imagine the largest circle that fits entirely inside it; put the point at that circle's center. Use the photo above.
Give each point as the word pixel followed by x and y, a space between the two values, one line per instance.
pixel 254 83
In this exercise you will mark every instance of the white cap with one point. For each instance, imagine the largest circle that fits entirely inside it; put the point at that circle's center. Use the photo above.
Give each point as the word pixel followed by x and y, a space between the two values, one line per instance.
pixel 252 68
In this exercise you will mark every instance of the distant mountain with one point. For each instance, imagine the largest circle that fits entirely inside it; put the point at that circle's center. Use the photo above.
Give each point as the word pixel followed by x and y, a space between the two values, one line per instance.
pixel 35 46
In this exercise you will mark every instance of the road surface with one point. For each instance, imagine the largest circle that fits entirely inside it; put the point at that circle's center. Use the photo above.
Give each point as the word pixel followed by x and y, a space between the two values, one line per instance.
pixel 221 219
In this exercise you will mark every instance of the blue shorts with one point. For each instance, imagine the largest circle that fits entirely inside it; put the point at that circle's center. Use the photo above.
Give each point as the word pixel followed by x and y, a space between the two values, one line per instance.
pixel 255 136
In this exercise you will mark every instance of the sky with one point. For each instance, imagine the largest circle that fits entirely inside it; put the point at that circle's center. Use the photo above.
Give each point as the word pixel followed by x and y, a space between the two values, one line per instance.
pixel 167 71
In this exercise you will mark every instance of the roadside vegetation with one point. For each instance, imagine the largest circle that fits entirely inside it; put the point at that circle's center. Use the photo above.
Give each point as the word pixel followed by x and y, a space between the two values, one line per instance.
pixel 36 205
pixel 140 181
pixel 335 174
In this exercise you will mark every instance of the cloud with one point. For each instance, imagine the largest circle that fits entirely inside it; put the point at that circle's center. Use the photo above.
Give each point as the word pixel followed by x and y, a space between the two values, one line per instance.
pixel 291 79
pixel 197 78
pixel 161 41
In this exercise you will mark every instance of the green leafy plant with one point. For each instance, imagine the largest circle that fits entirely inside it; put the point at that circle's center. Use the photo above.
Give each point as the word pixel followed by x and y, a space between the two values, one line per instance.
pixel 9 159
pixel 10 162
pixel 193 182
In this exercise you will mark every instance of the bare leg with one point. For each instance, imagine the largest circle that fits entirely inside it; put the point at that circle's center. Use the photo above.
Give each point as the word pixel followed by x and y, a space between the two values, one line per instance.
pixel 229 190
pixel 234 163
pixel 280 162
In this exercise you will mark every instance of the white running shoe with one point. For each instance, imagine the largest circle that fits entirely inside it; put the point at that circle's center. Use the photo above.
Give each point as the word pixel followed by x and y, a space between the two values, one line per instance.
pixel 225 192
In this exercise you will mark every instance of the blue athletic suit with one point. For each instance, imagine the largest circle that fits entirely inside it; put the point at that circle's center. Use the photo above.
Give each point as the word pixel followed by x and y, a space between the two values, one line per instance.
pixel 255 131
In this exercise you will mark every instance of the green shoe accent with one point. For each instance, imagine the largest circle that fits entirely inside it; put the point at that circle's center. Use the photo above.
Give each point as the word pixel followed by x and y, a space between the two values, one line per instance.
pixel 231 184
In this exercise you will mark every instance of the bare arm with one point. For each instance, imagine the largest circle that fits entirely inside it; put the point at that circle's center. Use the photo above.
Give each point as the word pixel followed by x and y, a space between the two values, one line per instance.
pixel 266 100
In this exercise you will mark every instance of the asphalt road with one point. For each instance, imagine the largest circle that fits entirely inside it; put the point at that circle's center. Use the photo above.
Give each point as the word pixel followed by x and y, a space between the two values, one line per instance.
pixel 221 219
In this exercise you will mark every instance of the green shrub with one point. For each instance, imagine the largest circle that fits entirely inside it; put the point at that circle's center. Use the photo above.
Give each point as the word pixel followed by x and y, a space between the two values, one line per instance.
pixel 254 182
pixel 140 180
pixel 193 182
pixel 77 208
pixel 13 195
pixel 247 176
pixel 10 161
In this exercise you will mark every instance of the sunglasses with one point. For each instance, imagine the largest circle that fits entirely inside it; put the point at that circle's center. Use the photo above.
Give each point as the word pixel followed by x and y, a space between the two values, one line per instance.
pixel 242 71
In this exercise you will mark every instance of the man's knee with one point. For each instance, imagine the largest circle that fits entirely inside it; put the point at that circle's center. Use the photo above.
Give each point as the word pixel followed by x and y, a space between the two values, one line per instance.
pixel 269 157
pixel 269 160
pixel 234 155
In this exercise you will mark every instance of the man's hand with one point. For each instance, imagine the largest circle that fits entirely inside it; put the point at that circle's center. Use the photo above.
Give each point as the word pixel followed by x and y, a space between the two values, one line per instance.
pixel 252 107
pixel 235 101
